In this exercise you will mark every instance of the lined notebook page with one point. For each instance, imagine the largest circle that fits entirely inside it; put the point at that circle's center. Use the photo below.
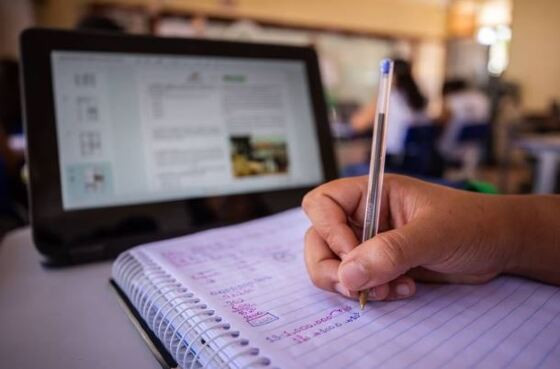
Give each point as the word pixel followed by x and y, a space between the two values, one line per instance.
pixel 254 276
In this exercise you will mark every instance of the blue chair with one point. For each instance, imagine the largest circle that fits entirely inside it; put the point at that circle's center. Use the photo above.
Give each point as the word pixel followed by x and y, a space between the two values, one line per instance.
pixel 474 133
pixel 470 145
pixel 421 157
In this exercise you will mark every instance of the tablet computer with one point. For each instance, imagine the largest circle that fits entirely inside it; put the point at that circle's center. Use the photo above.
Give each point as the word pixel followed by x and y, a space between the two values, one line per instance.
pixel 135 138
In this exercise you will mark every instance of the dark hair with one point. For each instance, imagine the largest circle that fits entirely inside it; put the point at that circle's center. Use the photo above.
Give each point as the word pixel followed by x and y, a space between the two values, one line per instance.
pixel 454 85
pixel 99 23
pixel 405 83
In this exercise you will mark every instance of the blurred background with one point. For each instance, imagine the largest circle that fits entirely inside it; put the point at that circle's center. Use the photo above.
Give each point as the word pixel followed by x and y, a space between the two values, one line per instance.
pixel 476 100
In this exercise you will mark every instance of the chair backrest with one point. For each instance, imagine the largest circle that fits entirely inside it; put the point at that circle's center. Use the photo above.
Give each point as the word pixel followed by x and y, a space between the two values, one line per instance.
pixel 473 133
pixel 421 157
pixel 418 137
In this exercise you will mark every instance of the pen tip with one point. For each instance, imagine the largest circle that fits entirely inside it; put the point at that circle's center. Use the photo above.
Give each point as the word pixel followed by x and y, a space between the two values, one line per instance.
pixel 363 300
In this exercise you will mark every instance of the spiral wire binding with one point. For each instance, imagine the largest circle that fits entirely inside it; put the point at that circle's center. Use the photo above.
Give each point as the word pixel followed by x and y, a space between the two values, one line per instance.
pixel 206 345
pixel 190 330
pixel 237 341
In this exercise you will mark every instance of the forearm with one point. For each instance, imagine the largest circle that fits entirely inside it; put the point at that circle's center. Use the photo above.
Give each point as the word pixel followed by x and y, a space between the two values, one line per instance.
pixel 533 233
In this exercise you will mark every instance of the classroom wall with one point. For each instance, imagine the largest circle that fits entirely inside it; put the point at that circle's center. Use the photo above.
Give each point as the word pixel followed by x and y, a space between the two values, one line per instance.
pixel 429 68
pixel 14 17
pixel 419 18
pixel 535 52
pixel 422 20
pixel 59 13
pixel 395 17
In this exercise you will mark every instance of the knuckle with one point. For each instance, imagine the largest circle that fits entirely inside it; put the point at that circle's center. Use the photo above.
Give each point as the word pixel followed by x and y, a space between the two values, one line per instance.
pixel 320 281
pixel 314 278
pixel 305 201
pixel 330 236
pixel 308 245
pixel 314 196
pixel 393 247
pixel 308 235
pixel 314 275
pixel 309 199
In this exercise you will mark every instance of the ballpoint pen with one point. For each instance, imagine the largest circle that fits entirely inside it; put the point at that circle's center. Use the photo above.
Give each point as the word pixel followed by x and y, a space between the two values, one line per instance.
pixel 377 160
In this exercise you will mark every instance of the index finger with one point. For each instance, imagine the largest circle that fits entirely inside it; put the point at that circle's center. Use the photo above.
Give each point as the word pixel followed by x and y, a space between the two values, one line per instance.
pixel 329 208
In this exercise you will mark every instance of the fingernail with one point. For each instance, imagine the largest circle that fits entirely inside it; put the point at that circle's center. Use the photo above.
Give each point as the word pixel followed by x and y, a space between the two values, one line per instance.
pixel 341 289
pixel 403 290
pixel 372 294
pixel 354 275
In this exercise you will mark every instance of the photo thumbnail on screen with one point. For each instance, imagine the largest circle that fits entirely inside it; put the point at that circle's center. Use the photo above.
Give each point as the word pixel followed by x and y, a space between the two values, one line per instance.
pixel 259 155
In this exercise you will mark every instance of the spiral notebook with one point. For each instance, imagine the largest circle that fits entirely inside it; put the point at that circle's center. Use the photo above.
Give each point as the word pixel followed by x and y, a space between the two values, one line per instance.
pixel 239 297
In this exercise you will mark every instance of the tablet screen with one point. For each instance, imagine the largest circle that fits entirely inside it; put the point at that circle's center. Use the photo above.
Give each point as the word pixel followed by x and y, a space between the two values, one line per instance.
pixel 140 128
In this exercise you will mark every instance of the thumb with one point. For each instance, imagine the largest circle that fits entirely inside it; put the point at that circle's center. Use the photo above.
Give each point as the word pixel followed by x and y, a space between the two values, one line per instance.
pixel 385 257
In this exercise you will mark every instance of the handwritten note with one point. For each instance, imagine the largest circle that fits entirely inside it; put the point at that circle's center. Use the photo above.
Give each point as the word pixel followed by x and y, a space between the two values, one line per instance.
pixel 254 276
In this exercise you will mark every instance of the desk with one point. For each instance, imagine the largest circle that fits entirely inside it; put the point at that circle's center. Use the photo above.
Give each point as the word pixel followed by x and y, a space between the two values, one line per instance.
pixel 546 149
pixel 62 318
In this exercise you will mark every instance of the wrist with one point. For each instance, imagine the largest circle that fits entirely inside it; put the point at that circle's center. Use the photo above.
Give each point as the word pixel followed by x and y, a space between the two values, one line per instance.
pixel 504 233
pixel 533 237
pixel 512 239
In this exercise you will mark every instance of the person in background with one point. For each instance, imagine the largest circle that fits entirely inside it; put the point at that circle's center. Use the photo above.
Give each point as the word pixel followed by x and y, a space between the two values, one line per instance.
pixel 462 105
pixel 407 107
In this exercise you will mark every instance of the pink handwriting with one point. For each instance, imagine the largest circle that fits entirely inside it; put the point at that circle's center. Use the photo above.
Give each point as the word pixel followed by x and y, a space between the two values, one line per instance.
pixel 296 333
pixel 247 310
pixel 181 259
pixel 205 276
pixel 239 289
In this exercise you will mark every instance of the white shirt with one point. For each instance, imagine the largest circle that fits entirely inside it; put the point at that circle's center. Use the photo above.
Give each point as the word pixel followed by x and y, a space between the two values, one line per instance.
pixel 466 107
pixel 469 106
pixel 401 117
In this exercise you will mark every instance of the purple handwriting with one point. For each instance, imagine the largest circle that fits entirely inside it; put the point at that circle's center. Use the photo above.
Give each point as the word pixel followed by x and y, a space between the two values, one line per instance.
pixel 243 257
pixel 247 310
pixel 263 320
pixel 296 334
pixel 323 330
pixel 239 289
pixel 205 276
pixel 180 258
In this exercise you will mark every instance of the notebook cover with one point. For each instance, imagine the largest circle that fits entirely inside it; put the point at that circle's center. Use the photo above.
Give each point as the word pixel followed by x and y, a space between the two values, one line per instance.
pixel 155 345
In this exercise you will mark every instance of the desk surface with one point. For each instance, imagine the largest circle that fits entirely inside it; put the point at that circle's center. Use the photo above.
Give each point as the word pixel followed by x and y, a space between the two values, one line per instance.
pixel 62 318
pixel 548 142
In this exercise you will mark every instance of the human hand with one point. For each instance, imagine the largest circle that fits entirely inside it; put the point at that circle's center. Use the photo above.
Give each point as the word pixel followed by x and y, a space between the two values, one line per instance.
pixel 427 232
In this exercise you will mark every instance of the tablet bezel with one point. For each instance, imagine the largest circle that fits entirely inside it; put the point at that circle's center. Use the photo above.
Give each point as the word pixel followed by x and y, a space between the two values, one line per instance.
pixel 78 235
